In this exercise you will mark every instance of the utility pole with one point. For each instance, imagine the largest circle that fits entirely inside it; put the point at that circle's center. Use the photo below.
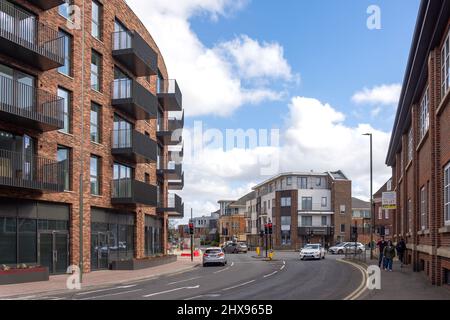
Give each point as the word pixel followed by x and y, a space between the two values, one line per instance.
pixel 192 238
pixel 372 211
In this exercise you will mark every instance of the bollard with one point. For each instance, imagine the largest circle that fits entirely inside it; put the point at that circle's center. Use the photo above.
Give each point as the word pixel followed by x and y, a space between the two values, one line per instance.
pixel 258 251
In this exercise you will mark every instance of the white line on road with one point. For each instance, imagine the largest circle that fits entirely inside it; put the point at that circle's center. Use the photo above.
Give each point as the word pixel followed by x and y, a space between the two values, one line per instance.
pixel 169 291
pixel 232 264
pixel 272 274
pixel 358 292
pixel 222 270
pixel 111 294
pixel 204 296
pixel 107 289
pixel 282 267
pixel 284 262
pixel 181 281
pixel 239 285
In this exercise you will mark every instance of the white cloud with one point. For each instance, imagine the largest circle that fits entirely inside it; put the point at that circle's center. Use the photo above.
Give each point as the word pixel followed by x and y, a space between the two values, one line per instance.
pixel 211 78
pixel 384 94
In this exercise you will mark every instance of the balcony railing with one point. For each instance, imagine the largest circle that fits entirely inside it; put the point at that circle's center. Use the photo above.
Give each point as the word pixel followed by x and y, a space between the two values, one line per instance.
pixel 47 4
pixel 176 123
pixel 169 95
pixel 134 146
pixel 130 49
pixel 20 170
pixel 28 40
pixel 174 207
pixel 129 191
pixel 171 171
pixel 133 99
pixel 29 106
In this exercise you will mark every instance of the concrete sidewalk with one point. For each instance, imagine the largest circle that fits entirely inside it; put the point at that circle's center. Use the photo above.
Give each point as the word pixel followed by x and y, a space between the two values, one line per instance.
pixel 57 284
pixel 404 284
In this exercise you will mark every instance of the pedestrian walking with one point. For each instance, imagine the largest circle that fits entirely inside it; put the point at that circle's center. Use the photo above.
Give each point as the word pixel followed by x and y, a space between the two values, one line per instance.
pixel 381 244
pixel 401 249
pixel 389 255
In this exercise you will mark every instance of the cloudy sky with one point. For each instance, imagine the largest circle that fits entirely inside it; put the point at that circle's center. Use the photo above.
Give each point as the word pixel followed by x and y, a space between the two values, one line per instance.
pixel 310 70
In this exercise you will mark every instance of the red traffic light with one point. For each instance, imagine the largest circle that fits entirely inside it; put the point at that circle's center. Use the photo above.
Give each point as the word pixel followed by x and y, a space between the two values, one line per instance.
pixel 191 225
pixel 270 225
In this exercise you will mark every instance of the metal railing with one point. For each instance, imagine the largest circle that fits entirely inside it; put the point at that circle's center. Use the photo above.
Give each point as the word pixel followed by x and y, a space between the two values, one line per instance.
pixel 31 172
pixel 122 40
pixel 169 86
pixel 122 138
pixel 20 27
pixel 29 102
pixel 122 188
pixel 122 89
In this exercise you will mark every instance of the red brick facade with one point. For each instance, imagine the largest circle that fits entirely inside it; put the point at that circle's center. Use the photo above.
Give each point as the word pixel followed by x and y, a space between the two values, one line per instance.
pixel 78 139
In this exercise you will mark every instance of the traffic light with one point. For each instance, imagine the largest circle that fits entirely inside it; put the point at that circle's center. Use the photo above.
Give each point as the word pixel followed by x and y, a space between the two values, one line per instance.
pixel 266 229
pixel 270 225
pixel 261 234
pixel 191 228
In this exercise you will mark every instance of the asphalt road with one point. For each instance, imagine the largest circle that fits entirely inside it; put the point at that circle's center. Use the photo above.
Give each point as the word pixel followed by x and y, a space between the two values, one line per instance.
pixel 244 278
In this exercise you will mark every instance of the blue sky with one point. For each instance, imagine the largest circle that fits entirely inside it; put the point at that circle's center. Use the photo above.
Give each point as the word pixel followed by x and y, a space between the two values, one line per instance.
pixel 311 69
pixel 328 44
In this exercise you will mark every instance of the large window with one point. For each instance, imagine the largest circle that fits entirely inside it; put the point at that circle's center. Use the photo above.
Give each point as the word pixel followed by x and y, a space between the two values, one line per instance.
pixel 27 241
pixel 424 115
pixel 445 66
pixel 97 12
pixel 410 144
pixel 286 202
pixel 67 110
pixel 67 67
pixel 342 228
pixel 95 123
pixel 307 203
pixel 302 182
pixel 324 221
pixel 65 9
pixel 95 175
pixel 96 62
pixel 324 202
pixel 285 221
pixel 306 221
pixel 64 159
pixel 447 194
pixel 289 181
pixel 8 240
pixel 423 208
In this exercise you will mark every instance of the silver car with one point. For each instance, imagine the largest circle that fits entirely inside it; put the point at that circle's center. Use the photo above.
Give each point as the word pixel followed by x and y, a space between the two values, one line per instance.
pixel 214 256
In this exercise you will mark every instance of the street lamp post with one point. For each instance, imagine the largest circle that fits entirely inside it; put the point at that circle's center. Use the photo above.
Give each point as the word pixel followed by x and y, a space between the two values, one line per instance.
pixel 371 194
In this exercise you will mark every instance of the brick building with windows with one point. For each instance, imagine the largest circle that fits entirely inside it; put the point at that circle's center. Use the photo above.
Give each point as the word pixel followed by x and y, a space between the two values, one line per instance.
pixel 384 218
pixel 361 217
pixel 303 207
pixel 87 120
pixel 419 151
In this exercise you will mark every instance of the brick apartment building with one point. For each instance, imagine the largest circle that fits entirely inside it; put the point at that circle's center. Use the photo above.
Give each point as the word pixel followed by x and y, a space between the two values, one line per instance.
pixel 232 222
pixel 419 151
pixel 206 227
pixel 384 218
pixel 86 155
pixel 361 217
pixel 303 207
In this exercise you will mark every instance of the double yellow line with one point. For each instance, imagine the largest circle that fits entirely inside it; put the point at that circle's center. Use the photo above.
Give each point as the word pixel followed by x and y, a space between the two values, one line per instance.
pixel 363 286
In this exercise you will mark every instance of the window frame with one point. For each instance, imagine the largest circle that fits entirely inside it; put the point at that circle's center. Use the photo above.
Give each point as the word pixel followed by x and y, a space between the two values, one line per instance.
pixel 68 182
pixel 98 73
pixel 98 23
pixel 445 66
pixel 447 194
pixel 424 114
pixel 68 53
pixel 424 208
pixel 97 176
pixel 305 200
pixel 98 125
pixel 67 110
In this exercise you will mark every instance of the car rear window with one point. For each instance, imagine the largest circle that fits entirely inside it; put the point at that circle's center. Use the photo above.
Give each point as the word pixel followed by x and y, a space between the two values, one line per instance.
pixel 213 251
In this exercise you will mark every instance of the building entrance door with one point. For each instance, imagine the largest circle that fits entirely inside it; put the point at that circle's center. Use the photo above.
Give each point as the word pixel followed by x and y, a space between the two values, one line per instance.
pixel 54 251
pixel 99 251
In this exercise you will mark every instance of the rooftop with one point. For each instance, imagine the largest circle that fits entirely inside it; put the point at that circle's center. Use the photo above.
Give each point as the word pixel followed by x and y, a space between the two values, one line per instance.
pixel 360 204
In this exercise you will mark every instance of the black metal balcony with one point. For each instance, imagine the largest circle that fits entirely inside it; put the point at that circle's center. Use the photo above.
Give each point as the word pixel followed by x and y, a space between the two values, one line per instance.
pixel 171 172
pixel 30 107
pixel 47 4
pixel 170 96
pixel 134 146
pixel 133 99
pixel 176 124
pixel 176 184
pixel 174 207
pixel 132 192
pixel 18 170
pixel 24 38
pixel 171 134
pixel 176 155
pixel 131 50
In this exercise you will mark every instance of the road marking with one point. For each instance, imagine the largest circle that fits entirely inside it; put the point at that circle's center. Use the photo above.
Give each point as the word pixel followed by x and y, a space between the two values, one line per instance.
pixel 282 267
pixel 111 294
pixel 169 291
pixel 272 274
pixel 239 285
pixel 222 270
pixel 232 264
pixel 204 296
pixel 23 298
pixel 362 287
pixel 106 289
pixel 284 262
pixel 181 281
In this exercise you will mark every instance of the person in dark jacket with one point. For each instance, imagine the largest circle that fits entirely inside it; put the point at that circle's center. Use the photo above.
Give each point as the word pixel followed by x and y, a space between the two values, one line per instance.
pixel 389 255
pixel 401 249
pixel 381 245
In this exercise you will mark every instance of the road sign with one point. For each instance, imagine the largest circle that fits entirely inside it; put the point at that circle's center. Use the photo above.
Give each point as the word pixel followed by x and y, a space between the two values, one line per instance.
pixel 389 200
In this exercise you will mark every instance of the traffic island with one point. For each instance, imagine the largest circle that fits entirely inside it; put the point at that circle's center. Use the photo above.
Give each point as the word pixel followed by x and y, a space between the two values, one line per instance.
pixel 23 275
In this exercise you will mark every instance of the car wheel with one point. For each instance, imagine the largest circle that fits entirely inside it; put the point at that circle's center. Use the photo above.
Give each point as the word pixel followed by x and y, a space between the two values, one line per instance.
pixel 340 252
pixel 204 265
pixel 359 251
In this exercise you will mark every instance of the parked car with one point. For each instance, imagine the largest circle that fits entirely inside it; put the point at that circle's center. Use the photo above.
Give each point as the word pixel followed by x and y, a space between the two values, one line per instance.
pixel 242 247
pixel 214 256
pixel 312 251
pixel 347 247
pixel 231 248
